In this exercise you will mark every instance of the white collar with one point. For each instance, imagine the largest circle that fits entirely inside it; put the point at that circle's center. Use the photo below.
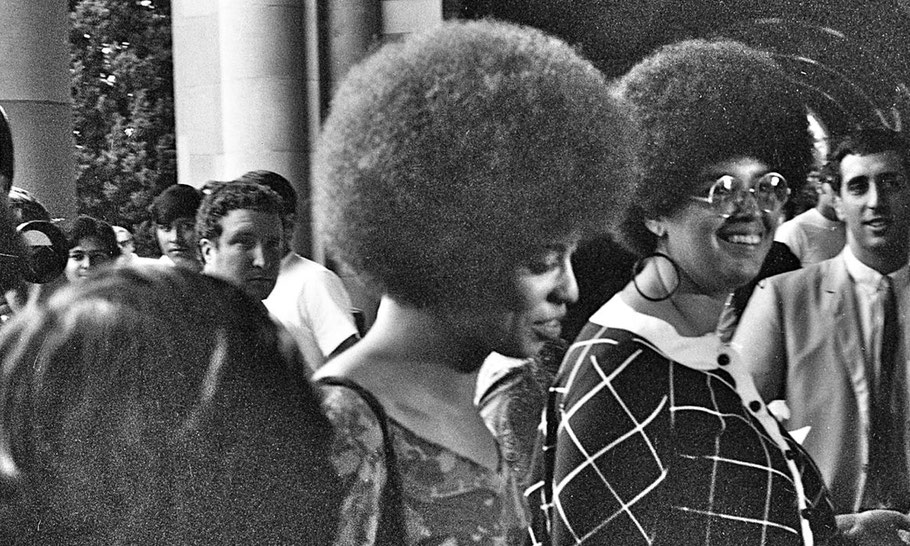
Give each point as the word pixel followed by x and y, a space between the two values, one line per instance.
pixel 699 353
pixel 869 278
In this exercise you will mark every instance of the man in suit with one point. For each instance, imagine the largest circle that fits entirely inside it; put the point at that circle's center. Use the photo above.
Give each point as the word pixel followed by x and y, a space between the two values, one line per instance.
pixel 831 339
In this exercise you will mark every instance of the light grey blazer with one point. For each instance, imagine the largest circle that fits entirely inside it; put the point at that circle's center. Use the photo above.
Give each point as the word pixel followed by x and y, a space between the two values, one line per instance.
pixel 801 338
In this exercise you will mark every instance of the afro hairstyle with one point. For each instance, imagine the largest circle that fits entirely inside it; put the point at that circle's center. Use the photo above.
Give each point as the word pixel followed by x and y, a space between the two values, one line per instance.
pixel 448 158
pixel 697 103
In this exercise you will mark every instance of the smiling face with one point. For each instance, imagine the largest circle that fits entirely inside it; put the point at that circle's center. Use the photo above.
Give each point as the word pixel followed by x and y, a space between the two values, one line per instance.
pixel 247 253
pixel 527 313
pixel 717 255
pixel 874 202
pixel 86 258
pixel 177 241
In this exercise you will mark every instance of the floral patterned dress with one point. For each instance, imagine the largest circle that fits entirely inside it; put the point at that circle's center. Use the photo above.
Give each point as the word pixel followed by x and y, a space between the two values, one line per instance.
pixel 449 500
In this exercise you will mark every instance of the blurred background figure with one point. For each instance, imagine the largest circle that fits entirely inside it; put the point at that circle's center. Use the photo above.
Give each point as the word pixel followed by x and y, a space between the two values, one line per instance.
pixel 817 234
pixel 308 299
pixel 35 255
pixel 127 245
pixel 92 245
pixel 174 215
pixel 11 245
pixel 157 406
pixel 24 207
pixel 457 172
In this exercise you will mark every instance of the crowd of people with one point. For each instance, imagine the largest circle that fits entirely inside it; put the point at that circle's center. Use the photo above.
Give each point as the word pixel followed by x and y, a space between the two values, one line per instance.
pixel 225 394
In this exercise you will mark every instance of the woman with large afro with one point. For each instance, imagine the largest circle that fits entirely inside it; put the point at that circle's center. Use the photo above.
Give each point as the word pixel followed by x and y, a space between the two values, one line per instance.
pixel 456 172
pixel 655 433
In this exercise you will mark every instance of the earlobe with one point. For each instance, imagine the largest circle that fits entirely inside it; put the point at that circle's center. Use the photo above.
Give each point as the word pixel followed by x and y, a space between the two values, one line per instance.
pixel 656 227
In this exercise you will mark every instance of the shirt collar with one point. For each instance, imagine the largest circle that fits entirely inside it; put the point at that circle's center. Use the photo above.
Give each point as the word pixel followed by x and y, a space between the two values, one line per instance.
pixel 868 278
pixel 699 353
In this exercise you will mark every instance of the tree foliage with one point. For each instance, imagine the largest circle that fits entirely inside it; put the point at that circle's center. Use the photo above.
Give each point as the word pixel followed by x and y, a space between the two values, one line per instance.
pixel 122 87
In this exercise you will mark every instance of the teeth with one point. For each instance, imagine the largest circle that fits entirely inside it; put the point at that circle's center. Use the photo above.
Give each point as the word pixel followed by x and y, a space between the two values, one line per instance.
pixel 744 239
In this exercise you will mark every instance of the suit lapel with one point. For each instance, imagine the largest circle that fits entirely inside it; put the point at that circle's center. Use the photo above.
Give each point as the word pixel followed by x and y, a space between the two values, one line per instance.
pixel 840 300
pixel 838 290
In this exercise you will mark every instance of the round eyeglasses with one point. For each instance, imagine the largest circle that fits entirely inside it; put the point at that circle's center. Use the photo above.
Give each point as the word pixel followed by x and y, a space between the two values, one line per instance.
pixel 728 193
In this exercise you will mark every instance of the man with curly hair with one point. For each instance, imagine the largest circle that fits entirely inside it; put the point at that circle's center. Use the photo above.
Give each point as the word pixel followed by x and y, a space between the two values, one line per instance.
pixel 240 236
pixel 308 299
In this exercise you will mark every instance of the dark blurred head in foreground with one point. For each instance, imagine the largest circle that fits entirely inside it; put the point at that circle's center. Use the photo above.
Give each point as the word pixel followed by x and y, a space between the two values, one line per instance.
pixel 158 406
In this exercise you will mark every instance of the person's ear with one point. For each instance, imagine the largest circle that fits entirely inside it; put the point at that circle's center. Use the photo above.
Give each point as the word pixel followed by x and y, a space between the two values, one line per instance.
pixel 656 227
pixel 207 249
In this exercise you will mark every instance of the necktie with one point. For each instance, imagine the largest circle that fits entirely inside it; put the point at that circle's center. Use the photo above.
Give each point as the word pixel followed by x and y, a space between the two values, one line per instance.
pixel 887 458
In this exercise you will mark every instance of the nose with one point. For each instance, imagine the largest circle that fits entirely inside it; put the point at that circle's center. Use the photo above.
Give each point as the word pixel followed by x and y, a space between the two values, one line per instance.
pixel 874 196
pixel 259 255
pixel 747 203
pixel 178 236
pixel 167 235
pixel 566 290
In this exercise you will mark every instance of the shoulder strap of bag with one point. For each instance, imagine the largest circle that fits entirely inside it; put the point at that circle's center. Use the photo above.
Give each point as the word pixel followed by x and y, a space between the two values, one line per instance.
pixel 391 531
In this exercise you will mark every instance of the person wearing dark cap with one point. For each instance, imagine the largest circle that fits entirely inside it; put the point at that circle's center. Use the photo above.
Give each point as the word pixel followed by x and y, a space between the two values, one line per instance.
pixel 308 299
pixel 174 214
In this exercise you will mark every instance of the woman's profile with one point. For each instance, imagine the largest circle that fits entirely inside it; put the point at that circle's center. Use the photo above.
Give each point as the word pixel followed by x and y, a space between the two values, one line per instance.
pixel 457 171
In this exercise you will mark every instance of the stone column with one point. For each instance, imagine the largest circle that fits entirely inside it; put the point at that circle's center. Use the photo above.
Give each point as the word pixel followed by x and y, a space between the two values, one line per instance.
pixel 35 92
pixel 241 93
pixel 348 31
pixel 350 28
pixel 197 91
pixel 403 17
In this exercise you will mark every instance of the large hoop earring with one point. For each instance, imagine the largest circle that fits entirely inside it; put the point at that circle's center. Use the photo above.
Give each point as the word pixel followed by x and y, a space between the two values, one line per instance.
pixel 639 266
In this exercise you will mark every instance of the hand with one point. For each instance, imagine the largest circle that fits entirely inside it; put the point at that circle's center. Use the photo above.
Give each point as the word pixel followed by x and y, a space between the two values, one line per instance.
pixel 875 528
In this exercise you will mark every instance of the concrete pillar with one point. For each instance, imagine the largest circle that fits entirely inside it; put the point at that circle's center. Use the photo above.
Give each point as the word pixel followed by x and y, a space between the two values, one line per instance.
pixel 403 17
pixel 35 92
pixel 351 29
pixel 241 93
pixel 348 30
pixel 197 91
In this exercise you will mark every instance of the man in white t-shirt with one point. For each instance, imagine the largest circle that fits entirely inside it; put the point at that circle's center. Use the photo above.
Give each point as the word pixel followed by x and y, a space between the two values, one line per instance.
pixel 817 234
pixel 308 299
